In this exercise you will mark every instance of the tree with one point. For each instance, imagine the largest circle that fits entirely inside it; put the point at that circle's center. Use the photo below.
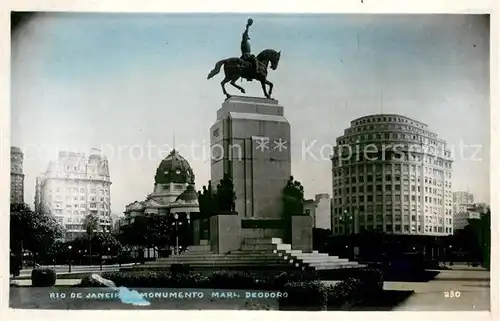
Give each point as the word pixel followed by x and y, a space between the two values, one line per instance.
pixel 90 224
pixel 56 252
pixel 135 233
pixel 138 233
pixel 31 231
pixel 293 198
pixel 101 242
pixel 160 229
pixel 475 238
pixel 480 232
pixel 148 231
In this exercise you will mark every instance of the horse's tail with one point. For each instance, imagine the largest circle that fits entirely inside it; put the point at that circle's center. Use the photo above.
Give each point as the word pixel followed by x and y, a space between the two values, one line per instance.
pixel 217 68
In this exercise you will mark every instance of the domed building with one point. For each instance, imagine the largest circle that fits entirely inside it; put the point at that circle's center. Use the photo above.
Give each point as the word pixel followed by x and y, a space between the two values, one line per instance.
pixel 173 190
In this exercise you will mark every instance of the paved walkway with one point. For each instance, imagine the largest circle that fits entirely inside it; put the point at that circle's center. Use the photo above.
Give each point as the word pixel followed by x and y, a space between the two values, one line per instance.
pixel 59 282
pixel 470 287
pixel 64 269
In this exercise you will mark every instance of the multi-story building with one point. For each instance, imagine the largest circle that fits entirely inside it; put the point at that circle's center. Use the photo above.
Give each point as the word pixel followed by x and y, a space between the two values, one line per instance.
pixel 319 209
pixel 117 221
pixel 310 206
pixel 16 176
pixel 392 174
pixel 323 218
pixel 462 205
pixel 463 198
pixel 73 187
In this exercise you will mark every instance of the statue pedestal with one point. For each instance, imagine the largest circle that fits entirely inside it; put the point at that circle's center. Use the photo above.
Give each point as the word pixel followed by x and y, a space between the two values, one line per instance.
pixel 225 232
pixel 301 230
pixel 251 142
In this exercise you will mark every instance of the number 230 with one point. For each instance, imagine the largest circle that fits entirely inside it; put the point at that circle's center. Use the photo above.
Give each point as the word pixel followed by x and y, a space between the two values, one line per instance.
pixel 452 294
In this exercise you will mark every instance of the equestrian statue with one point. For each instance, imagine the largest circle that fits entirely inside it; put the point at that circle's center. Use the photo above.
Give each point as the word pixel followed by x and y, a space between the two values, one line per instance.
pixel 248 66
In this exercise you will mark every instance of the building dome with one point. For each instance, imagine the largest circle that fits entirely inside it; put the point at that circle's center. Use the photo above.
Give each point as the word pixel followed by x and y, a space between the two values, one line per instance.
pixel 189 195
pixel 174 169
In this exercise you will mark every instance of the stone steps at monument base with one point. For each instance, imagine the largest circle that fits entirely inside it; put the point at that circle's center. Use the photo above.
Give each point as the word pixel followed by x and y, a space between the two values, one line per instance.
pixel 222 258
pixel 220 261
pixel 270 246
pixel 262 259
pixel 197 252
pixel 255 253
pixel 309 259
pixel 288 251
pixel 270 240
pixel 222 264
pixel 313 255
pixel 315 264
pixel 198 248
pixel 319 260
pixel 349 265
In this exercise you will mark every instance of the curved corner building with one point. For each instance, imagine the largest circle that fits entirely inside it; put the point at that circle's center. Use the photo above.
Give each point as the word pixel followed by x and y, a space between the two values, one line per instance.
pixel 391 173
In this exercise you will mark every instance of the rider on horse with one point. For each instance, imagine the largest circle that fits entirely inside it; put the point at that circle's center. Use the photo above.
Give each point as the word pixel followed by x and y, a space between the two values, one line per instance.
pixel 246 54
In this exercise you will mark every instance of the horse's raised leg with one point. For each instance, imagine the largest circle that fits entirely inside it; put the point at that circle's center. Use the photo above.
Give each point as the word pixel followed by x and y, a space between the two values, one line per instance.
pixel 223 85
pixel 233 82
pixel 263 83
pixel 270 87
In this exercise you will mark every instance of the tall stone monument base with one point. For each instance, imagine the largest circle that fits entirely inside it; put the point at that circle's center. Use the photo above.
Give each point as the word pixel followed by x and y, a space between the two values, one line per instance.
pixel 250 141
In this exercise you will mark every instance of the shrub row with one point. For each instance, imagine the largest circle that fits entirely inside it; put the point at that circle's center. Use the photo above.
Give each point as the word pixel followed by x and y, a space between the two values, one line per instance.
pixel 304 290
pixel 216 279
pixel 43 277
pixel 314 295
pixel 181 277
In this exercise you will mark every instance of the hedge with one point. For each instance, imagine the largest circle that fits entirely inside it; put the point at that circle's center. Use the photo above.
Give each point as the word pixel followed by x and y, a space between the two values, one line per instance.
pixel 216 279
pixel 43 277
pixel 314 295
pixel 304 290
pixel 309 295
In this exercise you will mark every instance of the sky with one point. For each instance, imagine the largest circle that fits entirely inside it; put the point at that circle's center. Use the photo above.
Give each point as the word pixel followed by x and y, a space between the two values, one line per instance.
pixel 134 85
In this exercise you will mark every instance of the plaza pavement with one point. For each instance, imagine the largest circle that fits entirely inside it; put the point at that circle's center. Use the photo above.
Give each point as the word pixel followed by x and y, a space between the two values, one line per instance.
pixel 473 284
pixel 76 269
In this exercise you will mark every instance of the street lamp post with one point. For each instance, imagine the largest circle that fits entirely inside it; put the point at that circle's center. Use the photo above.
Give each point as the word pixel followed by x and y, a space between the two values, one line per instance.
pixel 69 261
pixel 90 249
pixel 344 220
pixel 105 230
pixel 347 219
pixel 176 223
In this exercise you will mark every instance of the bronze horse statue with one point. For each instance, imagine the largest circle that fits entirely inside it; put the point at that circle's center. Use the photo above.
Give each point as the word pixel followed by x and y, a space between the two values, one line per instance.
pixel 235 68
